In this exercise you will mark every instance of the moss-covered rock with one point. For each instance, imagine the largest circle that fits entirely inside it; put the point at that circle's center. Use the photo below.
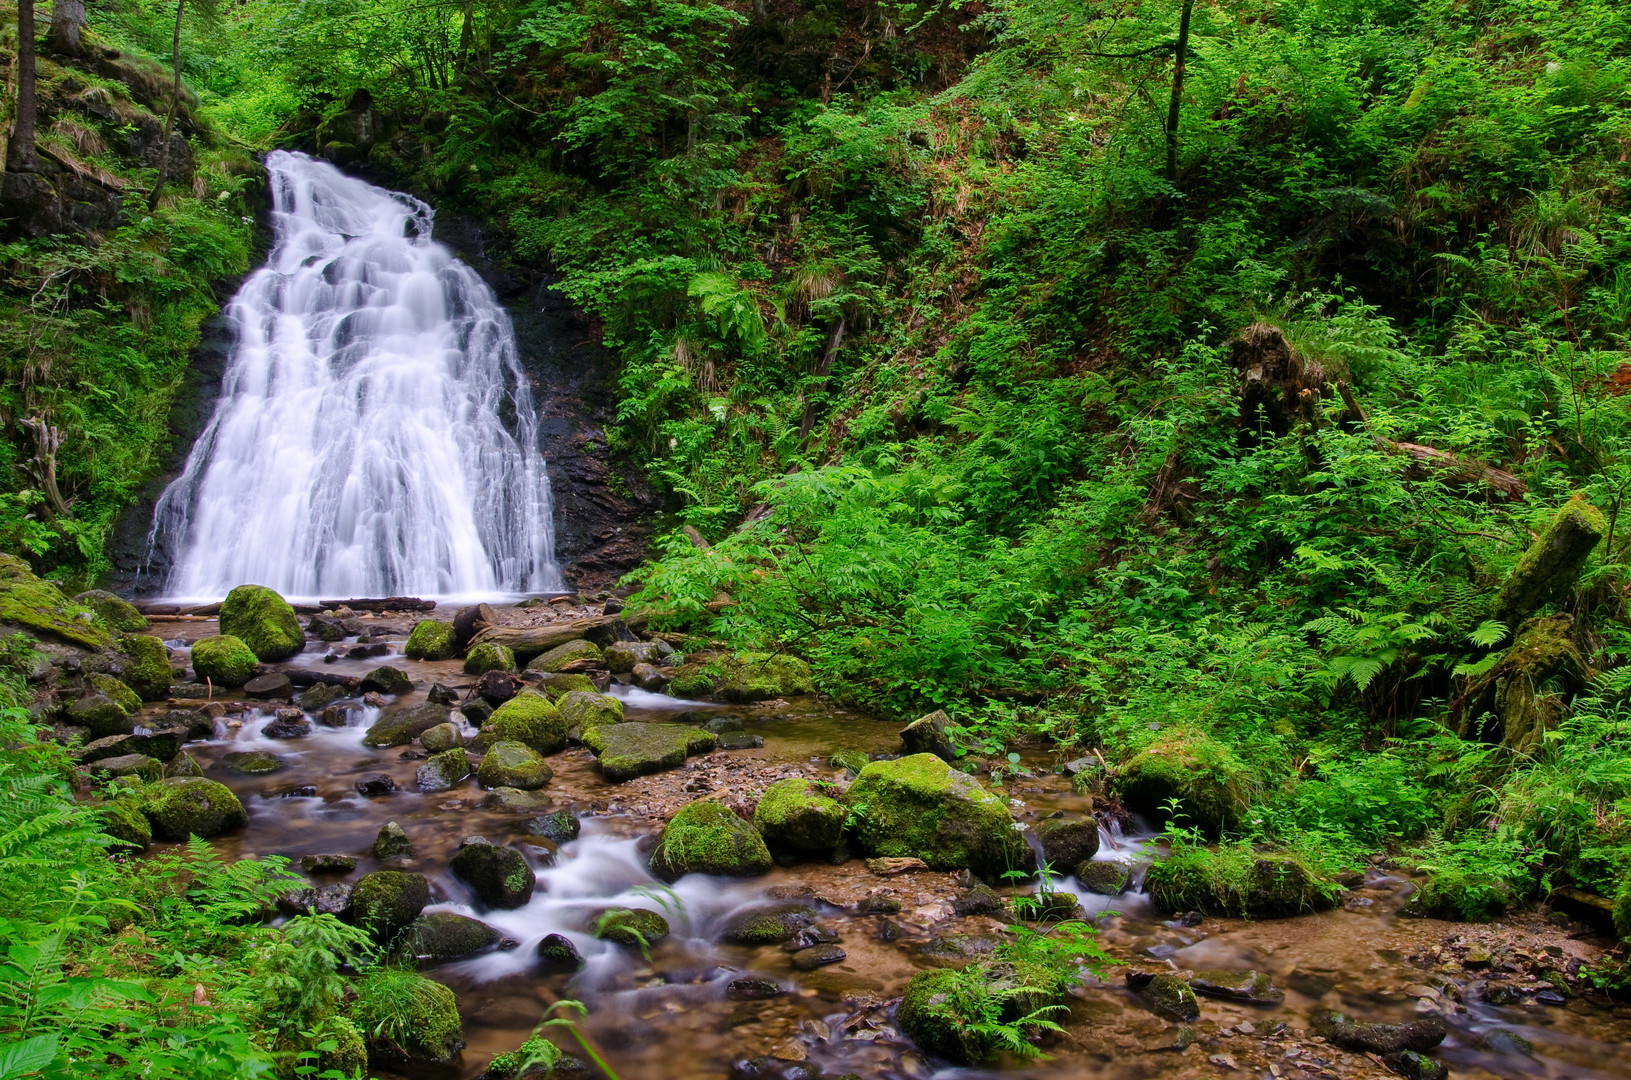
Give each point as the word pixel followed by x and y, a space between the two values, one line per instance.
pixel 1213 788
pixel 148 770
pixel 531 719
pixel 123 820
pixel 251 762
pixel 192 806
pixel 919 807
pixel 622 657
pixel 1551 564
pixel 630 926
pixel 499 876
pixel 101 715
pixel 691 684
pixel 348 1055
pixel 444 771
pixel 625 751
pixel 440 936
pixel 1252 987
pixel 39 608
pixel 488 657
pixel 513 765
pixel 767 925
pixel 386 902
pixel 441 738
pixel 1170 996
pixel 431 640
pixel 1234 880
pixel 800 814
pixel 264 621
pixel 403 726
pixel 929 1015
pixel 556 685
pixel 1104 878
pixel 386 679
pixel 928 735
pixel 761 676
pixel 1068 842
pixel 557 953
pixel 430 1030
pixel 147 666
pixel 392 843
pixel 117 612
pixel 515 800
pixel 584 712
pixel 223 660
pixel 116 691
pixel 707 838
pixel 560 656
pixel 1344 1031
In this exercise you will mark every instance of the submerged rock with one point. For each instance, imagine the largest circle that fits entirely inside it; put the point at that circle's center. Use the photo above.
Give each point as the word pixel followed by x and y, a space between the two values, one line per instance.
pixel 386 902
pixel 956 950
pixel 1254 987
pixel 252 762
pixel 262 620
pixel 740 740
pixel 224 660
pixel 499 876
pixel 1413 1066
pixel 817 956
pixel 631 926
pixel 919 807
pixel 750 988
pixel 626 751
pixel 707 838
pixel 192 806
pixel 798 813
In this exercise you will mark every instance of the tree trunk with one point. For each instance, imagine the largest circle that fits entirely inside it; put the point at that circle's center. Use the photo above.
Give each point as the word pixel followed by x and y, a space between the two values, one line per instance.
pixel 175 103
pixel 67 20
pixel 467 36
pixel 20 155
pixel 1177 93
pixel 834 340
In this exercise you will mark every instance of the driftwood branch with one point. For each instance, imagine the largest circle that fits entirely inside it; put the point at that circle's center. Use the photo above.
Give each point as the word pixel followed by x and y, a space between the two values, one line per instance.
pixel 1456 470
pixel 534 640
pixel 47 440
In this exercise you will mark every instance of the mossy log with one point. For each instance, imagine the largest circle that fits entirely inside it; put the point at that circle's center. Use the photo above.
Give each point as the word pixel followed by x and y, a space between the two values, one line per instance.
pixel 1512 703
pixel 533 641
pixel 1553 562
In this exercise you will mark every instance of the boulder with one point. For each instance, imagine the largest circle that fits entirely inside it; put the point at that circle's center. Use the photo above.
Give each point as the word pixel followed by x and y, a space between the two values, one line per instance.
pixel 557 954
pixel 477 710
pixel 928 1015
pixel 116 691
pixel 441 695
pixel 386 902
pixel 956 951
pixel 183 766
pixel 623 656
pixel 1211 786
pixel 437 937
pixel 192 806
pixel 272 685
pixel 707 838
pixel 101 715
pixel 1344 1031
pixel 982 899
pixel 316 698
pixel 719 725
pixel 443 771
pixel 626 751
pixel 149 770
pixel 431 1029
pixel 767 925
pixel 1252 987
pixel 762 676
pixel 386 680
pixel 224 660
pixel 1170 996
pixel 647 677
pixel 146 668
pixel 39 607
pixel 561 656
pixel 332 899
pixel 556 684
pixel 800 814
pixel 405 725
pixel 262 620
pixel 431 640
pixel 1104 878
pixel 442 737
pixel 123 820
pixel 1068 842
pixel 499 876
pixel 559 826
pixel 488 657
pixel 251 762
pixel 512 765
pixel 531 719
pixel 927 735
pixel 163 744
pixel 585 711
pixel 392 843
pixel 515 800
pixel 1232 882
pixel 326 628
pixel 497 687
pixel 919 807
pixel 631 926
pixel 116 611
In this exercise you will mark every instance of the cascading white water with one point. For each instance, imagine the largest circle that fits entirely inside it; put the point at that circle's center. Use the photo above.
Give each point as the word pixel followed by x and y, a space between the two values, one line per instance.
pixel 360 444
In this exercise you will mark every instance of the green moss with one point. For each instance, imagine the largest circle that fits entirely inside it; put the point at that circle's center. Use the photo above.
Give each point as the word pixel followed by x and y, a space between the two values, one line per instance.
pixel 488 657
pixel 626 926
pixel 431 640
pixel 262 620
pixel 122 819
pixel 409 1014
pixel 919 807
pixel 192 806
pixel 529 718
pixel 40 608
pixel 350 1054
pixel 626 751
pixel 1622 908
pixel 535 1055
pixel 562 655
pixel 767 926
pixel 117 692
pixel 933 1014
pixel 1213 788
pixel 224 660
pixel 386 902
pixel 692 684
pixel 147 666
pixel 585 712
pixel 1235 880
pixel 707 838
pixel 513 765
pixel 556 685
pixel 115 611
pixel 1550 565
pixel 761 676
pixel 797 814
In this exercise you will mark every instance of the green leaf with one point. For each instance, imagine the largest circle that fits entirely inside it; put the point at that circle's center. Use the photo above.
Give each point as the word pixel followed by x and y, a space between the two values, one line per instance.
pixel 28 1056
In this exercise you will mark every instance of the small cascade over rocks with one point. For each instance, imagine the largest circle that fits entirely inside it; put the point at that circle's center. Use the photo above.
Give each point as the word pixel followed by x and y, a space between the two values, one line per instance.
pixel 375 434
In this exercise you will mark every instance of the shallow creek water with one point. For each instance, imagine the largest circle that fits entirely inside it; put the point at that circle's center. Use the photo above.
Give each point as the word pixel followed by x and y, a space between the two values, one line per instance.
pixel 668 1016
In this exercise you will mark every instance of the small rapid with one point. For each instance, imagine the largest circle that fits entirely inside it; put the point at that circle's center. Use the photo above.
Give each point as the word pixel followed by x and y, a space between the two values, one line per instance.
pixel 375 434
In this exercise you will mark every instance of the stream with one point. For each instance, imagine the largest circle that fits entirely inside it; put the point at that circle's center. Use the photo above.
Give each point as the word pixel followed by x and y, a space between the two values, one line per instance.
pixel 674 1014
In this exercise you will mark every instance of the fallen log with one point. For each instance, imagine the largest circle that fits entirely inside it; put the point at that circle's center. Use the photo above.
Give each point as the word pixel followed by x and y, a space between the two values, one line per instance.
pixel 387 603
pixel 1462 471
pixel 536 640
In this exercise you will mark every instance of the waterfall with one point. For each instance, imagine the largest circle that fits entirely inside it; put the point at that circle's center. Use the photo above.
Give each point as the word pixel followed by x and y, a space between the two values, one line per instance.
pixel 375 435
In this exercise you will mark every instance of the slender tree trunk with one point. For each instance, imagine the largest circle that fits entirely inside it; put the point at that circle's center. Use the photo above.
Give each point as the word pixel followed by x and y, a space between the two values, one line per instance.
pixel 67 20
pixel 20 155
pixel 175 103
pixel 1177 93
pixel 467 36
pixel 835 338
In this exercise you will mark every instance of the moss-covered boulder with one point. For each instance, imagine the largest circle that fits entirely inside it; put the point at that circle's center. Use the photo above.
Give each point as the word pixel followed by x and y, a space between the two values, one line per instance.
pixel 560 656
pixel 1105 877
pixel 437 937
pixel 264 621
pixel 800 814
pixel 499 876
pixel 251 762
pixel 120 694
pixel 630 926
pixel 403 726
pixel 625 751
pixel 919 807
pixel 1172 997
pixel 386 679
pixel 930 1016
pixel 1235 880
pixel 513 765
pixel 148 770
pixel 441 738
pixel 622 657
pixel 37 607
pixel 556 685
pixel 488 657
pixel 443 772
pixel 117 612
pixel 691 684
pixel 767 925
pixel 192 806
pixel 929 735
pixel 585 711
pixel 529 718
pixel 1212 786
pixel 1068 842
pixel 101 715
pixel 761 676
pixel 431 640
pixel 392 843
pixel 386 902
pixel 223 660
pixel 122 819
pixel 412 1017
pixel 147 666
pixel 707 838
